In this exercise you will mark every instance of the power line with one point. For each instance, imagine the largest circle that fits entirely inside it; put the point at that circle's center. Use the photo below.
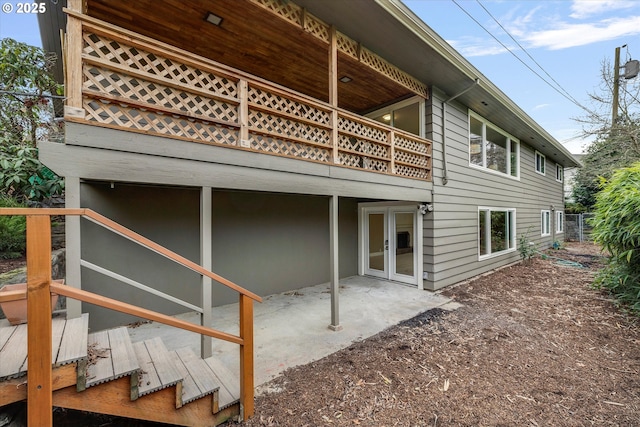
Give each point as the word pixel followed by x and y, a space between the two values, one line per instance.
pixel 566 96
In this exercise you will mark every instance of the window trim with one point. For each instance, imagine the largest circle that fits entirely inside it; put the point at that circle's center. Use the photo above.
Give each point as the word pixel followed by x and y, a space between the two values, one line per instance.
pixel 559 226
pixel 544 163
pixel 542 223
pixel 559 173
pixel 513 226
pixel 514 147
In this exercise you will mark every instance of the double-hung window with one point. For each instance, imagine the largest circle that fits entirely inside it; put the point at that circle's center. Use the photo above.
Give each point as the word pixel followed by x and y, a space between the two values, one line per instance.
pixel 545 223
pixel 559 173
pixel 559 222
pixel 492 149
pixel 496 231
pixel 541 161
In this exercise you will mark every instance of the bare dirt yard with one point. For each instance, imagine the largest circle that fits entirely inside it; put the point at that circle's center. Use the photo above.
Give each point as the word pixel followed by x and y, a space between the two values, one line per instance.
pixel 533 345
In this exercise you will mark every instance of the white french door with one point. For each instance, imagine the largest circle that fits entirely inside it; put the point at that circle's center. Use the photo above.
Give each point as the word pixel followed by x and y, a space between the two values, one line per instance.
pixel 390 243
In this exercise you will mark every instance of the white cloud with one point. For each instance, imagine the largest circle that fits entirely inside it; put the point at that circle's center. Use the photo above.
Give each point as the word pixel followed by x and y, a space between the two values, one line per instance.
pixel 540 106
pixel 476 46
pixel 585 8
pixel 571 35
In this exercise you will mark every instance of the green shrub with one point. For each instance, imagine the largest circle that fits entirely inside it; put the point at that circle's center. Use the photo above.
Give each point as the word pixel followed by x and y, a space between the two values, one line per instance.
pixel 616 226
pixel 12 231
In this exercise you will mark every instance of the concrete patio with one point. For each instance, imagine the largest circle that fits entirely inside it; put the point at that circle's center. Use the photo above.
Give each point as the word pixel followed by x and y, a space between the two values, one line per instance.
pixel 291 328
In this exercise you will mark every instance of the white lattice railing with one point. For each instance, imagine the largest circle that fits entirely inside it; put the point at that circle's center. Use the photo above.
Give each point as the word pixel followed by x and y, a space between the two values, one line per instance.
pixel 134 83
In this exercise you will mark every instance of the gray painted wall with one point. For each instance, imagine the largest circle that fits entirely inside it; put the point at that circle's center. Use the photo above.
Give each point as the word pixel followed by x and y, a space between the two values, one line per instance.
pixel 451 230
pixel 266 242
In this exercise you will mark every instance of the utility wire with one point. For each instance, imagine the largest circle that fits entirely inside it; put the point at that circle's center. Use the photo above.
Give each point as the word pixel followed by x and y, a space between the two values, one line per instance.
pixel 528 54
pixel 573 101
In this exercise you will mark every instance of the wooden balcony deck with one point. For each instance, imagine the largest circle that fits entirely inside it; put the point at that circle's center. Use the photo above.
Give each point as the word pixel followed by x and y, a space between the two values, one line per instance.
pixel 122 80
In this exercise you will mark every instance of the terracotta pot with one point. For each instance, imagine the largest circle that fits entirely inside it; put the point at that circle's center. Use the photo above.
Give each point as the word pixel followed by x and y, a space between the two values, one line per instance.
pixel 16 311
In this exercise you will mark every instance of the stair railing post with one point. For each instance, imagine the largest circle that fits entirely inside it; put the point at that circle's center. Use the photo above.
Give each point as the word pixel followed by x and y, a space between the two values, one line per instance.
pixel 39 375
pixel 246 357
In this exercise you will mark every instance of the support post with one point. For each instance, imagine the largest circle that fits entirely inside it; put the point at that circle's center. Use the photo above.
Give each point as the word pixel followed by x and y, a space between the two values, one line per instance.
pixel 616 87
pixel 73 62
pixel 73 244
pixel 333 264
pixel 206 200
pixel 246 357
pixel 39 376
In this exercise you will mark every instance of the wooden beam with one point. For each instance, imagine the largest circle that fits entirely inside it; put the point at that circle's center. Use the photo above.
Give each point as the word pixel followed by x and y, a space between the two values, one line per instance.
pixel 39 377
pixel 246 357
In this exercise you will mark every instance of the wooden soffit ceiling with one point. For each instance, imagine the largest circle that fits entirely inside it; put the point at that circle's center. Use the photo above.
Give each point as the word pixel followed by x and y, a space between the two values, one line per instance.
pixel 272 39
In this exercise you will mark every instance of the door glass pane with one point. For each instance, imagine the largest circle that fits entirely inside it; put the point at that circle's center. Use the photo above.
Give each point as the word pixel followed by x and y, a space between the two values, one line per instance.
pixel 404 243
pixel 376 241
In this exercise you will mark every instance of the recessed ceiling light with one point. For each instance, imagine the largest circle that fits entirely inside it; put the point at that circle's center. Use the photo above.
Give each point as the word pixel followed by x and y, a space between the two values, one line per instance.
pixel 345 79
pixel 386 117
pixel 214 19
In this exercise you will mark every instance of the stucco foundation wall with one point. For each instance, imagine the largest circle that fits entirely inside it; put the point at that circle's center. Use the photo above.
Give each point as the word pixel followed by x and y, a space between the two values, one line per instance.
pixel 268 243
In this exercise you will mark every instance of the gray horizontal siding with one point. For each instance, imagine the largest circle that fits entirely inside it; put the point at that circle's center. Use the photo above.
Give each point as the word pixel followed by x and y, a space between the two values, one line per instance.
pixel 451 231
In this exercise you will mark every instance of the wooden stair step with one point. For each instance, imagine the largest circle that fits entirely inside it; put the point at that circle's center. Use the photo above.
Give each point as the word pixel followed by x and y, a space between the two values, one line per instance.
pixel 73 343
pixel 229 383
pixel 111 356
pixel 158 369
pixel 14 352
pixel 68 344
pixel 199 379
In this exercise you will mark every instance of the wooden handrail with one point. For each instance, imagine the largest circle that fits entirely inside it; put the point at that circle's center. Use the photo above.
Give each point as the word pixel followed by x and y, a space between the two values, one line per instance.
pixel 40 286
pixel 123 307
pixel 132 235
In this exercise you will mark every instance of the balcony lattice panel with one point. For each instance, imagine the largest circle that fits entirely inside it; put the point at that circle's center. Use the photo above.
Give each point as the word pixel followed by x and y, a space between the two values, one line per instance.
pixel 112 83
pixel 156 65
pixel 402 141
pixel 282 147
pixel 261 121
pixel 411 172
pixel 363 146
pixel 361 129
pixel 289 106
pixel 411 158
pixel 122 116
pixel 363 162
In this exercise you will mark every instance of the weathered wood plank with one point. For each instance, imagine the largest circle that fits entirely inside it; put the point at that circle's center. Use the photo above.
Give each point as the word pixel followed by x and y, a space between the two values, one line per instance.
pixel 165 367
pixel 190 390
pixel 149 379
pixel 15 390
pixel 229 382
pixel 14 353
pixel 74 341
pixel 57 331
pixel 101 367
pixel 199 370
pixel 122 354
pixel 6 330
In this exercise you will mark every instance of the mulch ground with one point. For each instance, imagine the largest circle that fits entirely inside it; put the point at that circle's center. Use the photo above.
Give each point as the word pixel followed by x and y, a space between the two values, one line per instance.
pixel 533 345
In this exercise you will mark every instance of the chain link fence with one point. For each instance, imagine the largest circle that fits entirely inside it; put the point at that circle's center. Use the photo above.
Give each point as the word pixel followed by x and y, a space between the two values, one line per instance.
pixel 578 227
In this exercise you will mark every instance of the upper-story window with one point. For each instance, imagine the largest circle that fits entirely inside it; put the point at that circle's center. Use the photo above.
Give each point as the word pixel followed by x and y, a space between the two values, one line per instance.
pixel 541 161
pixel 559 173
pixel 407 115
pixel 492 149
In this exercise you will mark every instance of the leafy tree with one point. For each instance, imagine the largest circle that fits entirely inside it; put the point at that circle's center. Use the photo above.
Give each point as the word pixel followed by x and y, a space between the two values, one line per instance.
pixel 616 144
pixel 26 116
pixel 616 226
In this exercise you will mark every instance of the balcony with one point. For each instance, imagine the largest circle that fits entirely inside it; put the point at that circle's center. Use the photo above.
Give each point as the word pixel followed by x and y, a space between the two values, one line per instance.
pixel 137 84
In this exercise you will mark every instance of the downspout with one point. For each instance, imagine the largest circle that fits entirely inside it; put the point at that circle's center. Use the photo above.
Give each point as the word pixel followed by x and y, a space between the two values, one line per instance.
pixel 445 178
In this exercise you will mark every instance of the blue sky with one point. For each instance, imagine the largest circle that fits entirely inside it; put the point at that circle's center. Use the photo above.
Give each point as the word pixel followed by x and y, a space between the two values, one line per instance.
pixel 569 38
